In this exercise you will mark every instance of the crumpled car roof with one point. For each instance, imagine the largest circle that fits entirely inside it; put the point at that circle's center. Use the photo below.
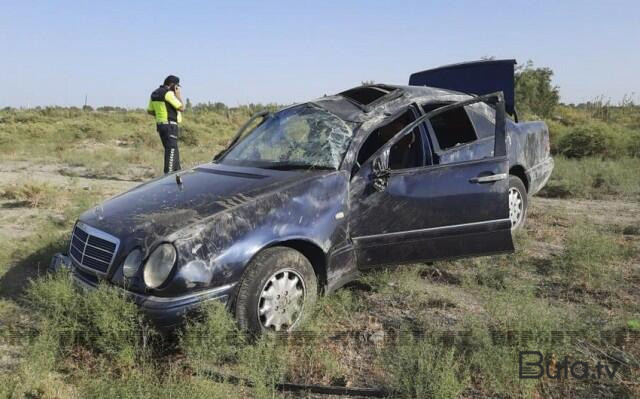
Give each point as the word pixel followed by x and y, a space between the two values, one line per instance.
pixel 347 110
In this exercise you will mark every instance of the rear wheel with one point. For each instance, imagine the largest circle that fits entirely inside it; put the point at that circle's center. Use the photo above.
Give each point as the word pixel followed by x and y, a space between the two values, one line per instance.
pixel 517 202
pixel 278 287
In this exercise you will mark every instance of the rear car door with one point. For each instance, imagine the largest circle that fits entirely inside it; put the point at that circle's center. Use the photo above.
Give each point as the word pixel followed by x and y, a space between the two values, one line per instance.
pixel 436 210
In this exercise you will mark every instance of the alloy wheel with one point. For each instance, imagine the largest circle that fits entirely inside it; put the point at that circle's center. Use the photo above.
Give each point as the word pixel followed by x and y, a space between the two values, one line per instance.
pixel 516 207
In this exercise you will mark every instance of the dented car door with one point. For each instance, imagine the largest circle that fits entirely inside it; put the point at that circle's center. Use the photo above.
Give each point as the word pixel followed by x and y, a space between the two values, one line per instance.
pixel 433 211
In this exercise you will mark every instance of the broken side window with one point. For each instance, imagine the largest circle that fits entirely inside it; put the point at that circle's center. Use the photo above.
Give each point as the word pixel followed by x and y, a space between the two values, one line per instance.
pixel 452 128
pixel 406 153
pixel 483 118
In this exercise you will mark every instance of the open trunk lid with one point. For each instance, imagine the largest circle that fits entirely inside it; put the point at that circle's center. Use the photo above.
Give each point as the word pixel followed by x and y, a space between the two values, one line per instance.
pixel 477 77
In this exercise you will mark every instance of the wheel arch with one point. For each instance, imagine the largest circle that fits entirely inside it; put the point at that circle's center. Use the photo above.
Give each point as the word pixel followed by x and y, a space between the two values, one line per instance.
pixel 312 251
pixel 518 171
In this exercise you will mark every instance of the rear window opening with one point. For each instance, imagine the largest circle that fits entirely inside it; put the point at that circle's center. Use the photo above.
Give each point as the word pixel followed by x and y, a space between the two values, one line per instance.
pixel 365 95
pixel 453 128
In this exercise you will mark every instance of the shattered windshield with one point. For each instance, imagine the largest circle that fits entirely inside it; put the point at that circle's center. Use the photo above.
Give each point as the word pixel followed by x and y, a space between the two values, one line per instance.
pixel 303 136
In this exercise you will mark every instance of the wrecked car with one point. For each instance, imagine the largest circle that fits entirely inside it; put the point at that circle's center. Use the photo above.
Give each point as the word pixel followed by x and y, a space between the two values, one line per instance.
pixel 305 199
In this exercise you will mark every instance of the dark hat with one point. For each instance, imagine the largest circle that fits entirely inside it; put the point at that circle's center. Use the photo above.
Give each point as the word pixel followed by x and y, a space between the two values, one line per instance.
pixel 171 79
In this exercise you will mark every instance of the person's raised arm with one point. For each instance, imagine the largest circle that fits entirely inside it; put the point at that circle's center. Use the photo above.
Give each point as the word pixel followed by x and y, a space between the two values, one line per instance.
pixel 174 100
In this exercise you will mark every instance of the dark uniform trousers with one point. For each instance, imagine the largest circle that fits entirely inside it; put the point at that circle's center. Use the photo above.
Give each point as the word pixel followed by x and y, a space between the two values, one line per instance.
pixel 169 133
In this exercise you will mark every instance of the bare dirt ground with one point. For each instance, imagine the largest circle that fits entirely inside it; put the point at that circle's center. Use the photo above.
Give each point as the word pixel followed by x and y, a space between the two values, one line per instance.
pixel 17 221
pixel 60 174
pixel 611 212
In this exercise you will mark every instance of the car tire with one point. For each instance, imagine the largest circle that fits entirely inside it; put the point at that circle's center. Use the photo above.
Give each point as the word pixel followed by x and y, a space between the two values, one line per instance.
pixel 517 203
pixel 276 291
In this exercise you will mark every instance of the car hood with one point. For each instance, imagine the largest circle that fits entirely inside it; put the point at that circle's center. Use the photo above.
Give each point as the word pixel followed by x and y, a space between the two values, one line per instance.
pixel 162 206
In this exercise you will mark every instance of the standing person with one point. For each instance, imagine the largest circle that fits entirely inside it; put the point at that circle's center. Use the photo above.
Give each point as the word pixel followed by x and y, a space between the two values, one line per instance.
pixel 167 106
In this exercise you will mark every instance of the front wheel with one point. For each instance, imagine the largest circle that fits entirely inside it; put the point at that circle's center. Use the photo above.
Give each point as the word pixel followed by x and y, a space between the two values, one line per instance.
pixel 517 202
pixel 278 287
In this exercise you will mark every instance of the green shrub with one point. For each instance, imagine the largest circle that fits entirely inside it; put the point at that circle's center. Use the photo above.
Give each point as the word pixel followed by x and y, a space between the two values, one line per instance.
pixel 188 134
pixel 634 324
pixel 420 368
pixel 516 319
pixel 631 230
pixel 593 178
pixel 102 320
pixel 58 306
pixel 588 140
pixel 104 327
pixel 492 276
pixel 35 376
pixel 213 338
pixel 150 381
pixel 264 364
pixel 494 365
pixel 588 256
pixel 113 325
pixel 633 142
pixel 575 131
pixel 311 360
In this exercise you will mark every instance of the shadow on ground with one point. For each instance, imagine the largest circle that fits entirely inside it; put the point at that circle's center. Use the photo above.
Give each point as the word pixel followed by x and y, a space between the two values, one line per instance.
pixel 28 264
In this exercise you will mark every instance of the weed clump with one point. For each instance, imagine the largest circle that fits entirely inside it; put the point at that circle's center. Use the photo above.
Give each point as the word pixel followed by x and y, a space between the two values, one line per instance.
pixel 263 364
pixel 592 177
pixel 102 321
pixel 420 368
pixel 588 258
pixel 492 277
pixel 148 381
pixel 213 338
pixel 33 195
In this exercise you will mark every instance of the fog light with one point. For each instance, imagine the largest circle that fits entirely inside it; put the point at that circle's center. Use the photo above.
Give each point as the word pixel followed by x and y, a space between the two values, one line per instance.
pixel 132 263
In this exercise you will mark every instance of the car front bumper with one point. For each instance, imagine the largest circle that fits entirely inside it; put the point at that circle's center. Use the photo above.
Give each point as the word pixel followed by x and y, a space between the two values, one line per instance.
pixel 162 311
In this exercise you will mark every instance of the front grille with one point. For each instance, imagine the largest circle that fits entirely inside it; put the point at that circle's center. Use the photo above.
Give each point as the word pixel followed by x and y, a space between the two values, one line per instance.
pixel 91 248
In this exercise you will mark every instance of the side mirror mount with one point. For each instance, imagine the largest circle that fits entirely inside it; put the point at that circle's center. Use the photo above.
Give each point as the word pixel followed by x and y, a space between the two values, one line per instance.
pixel 380 169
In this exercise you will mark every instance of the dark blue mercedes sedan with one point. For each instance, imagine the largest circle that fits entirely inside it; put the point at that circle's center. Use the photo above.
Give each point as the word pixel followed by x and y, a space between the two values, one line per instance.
pixel 305 199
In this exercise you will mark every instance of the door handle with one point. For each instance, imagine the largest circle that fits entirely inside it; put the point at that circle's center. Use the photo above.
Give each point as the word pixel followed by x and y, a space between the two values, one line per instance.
pixel 489 178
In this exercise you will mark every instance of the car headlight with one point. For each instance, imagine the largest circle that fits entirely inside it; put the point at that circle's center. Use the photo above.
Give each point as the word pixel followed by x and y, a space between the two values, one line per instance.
pixel 132 263
pixel 159 265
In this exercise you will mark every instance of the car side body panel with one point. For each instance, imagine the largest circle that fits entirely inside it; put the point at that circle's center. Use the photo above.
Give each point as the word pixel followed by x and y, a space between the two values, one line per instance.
pixel 529 148
pixel 431 213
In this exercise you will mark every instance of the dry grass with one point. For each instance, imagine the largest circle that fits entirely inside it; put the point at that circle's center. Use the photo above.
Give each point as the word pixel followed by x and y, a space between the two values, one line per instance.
pixel 36 195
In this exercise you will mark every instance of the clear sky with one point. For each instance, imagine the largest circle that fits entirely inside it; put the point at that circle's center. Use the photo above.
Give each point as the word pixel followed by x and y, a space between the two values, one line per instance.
pixel 117 52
